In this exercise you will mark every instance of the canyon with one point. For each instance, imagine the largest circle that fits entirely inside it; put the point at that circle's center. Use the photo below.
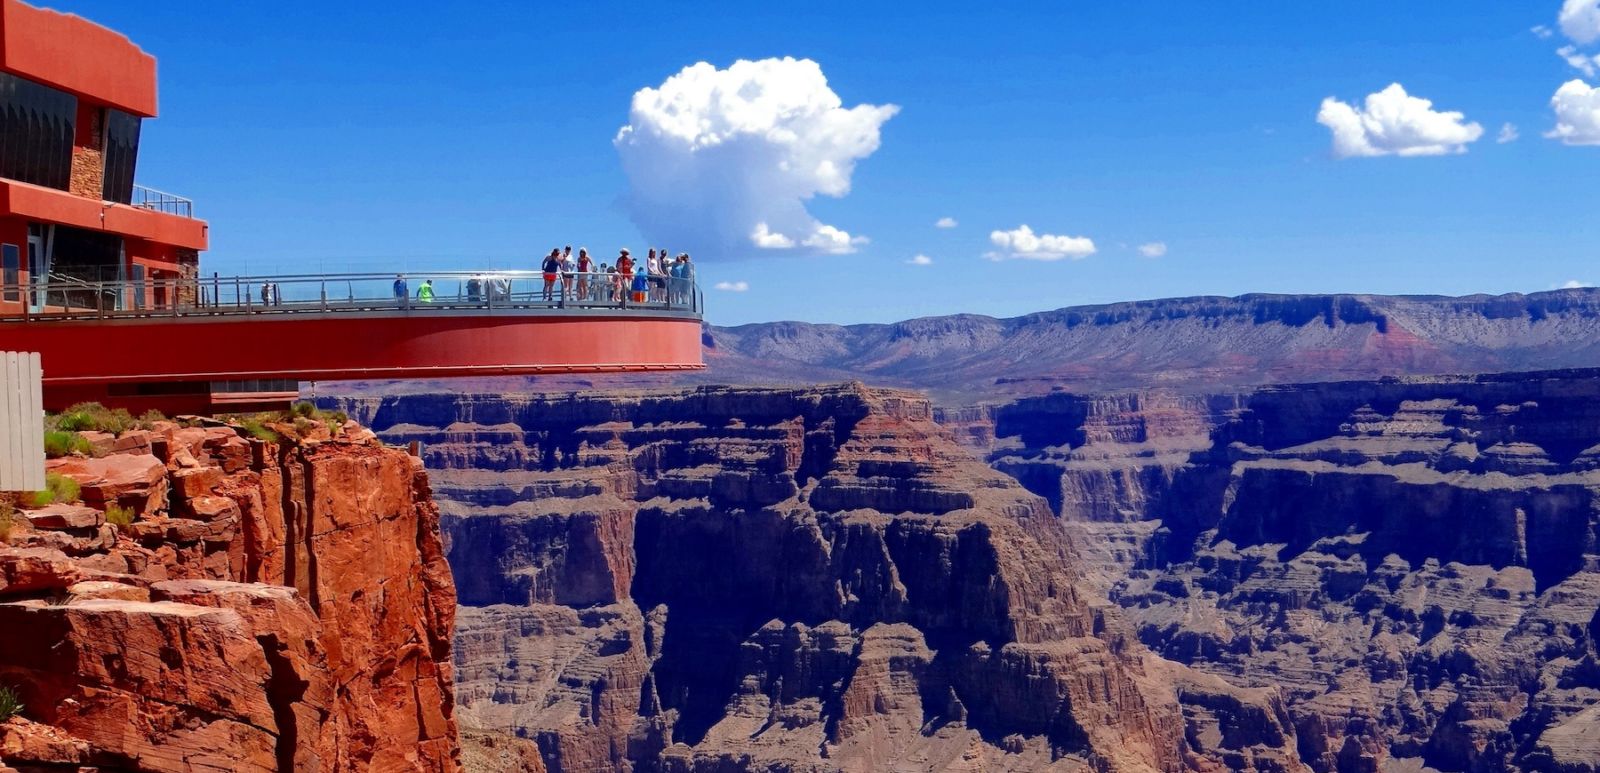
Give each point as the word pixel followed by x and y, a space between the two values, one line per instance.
pixel 1108 539
pixel 214 598
pixel 1413 562
pixel 764 579
pixel 1396 574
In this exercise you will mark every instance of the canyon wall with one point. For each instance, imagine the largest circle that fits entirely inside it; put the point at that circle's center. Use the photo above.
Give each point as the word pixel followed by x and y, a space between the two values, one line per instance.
pixel 1414 562
pixel 1195 344
pixel 249 606
pixel 751 579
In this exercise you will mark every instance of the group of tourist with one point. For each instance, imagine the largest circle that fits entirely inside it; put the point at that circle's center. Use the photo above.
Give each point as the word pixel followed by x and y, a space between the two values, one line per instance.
pixel 658 279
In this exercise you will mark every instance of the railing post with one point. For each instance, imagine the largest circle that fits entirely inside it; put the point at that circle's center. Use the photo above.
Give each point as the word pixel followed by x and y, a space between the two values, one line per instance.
pixel 324 295
pixel 100 299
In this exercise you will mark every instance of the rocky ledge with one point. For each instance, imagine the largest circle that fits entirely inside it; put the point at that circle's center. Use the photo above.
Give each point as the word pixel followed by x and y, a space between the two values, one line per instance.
pixel 249 606
pixel 791 580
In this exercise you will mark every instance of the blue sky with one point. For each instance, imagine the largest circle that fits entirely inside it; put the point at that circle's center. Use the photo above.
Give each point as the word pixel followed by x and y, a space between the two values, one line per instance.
pixel 366 135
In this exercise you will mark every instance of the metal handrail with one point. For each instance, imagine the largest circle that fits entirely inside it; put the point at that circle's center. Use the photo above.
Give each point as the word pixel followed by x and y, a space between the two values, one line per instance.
pixel 161 201
pixel 371 292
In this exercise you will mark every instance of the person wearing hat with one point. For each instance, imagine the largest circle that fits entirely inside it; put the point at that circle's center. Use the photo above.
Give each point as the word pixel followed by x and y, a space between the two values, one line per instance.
pixel 625 269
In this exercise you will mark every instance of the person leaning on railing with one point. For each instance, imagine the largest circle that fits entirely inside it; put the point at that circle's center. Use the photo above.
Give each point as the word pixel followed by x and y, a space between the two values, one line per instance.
pixel 552 272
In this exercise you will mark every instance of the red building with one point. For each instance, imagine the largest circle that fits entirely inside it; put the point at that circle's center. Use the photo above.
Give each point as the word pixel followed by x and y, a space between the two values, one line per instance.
pixel 102 277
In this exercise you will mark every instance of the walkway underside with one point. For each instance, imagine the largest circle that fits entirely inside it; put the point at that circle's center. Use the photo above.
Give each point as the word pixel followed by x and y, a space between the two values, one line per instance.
pixel 177 364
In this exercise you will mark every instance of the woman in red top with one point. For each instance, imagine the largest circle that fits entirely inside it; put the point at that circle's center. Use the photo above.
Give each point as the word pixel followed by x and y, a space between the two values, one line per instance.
pixel 624 274
pixel 585 266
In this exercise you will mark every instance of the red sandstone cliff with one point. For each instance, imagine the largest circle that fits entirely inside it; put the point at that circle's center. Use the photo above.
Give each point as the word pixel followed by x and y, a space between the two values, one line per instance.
pixel 274 606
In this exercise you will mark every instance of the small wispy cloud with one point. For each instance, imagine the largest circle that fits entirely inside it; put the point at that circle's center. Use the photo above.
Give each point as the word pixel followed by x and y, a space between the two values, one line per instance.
pixel 1153 249
pixel 920 260
pixel 1508 133
pixel 1573 284
pixel 1542 32
pixel 1584 63
pixel 945 222
pixel 733 287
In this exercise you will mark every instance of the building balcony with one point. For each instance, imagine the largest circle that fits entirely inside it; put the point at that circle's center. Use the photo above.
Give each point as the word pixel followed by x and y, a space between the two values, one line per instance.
pixel 159 201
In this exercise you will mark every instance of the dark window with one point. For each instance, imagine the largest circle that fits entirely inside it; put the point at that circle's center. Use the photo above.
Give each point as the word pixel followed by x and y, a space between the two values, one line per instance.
pixel 36 129
pixel 122 154
pixel 138 286
pixel 10 272
pixel 81 259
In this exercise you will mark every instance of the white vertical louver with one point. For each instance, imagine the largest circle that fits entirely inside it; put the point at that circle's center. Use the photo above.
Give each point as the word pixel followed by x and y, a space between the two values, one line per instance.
pixel 21 422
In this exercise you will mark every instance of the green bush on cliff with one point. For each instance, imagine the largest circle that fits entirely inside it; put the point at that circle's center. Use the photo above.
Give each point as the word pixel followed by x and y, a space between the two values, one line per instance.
pixel 8 519
pixel 258 429
pixel 57 488
pixel 10 702
pixel 59 443
pixel 93 416
pixel 120 517
pixel 304 409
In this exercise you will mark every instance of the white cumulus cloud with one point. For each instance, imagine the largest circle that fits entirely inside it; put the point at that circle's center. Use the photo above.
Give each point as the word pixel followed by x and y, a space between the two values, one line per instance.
pixel 1580 20
pixel 1508 133
pixel 1577 108
pixel 723 160
pixel 1395 123
pixel 764 238
pixel 733 287
pixel 945 222
pixel 1022 243
pixel 920 260
pixel 1153 249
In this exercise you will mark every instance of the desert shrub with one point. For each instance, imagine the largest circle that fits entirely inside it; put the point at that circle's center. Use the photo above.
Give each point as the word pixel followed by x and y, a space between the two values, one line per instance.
pixel 57 488
pixel 258 429
pixel 59 443
pixel 94 416
pixel 119 516
pixel 8 519
pixel 148 419
pixel 303 409
pixel 10 702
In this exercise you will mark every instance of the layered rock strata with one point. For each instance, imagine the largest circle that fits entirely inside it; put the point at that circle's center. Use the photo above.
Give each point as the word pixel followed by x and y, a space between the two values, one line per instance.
pixel 257 606
pixel 746 579
pixel 1414 562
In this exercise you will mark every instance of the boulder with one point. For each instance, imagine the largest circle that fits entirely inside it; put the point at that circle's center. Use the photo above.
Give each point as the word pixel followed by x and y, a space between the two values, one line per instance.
pixel 64 516
pixel 34 570
pixel 137 481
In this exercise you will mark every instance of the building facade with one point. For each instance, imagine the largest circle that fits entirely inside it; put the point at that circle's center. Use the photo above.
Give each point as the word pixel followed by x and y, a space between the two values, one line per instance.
pixel 73 99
